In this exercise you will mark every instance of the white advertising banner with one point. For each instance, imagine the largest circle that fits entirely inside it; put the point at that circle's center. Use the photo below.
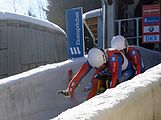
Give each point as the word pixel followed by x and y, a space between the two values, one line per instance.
pixel 151 29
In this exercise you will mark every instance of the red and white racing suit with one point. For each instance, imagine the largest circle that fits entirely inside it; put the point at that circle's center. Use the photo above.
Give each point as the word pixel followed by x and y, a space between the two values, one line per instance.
pixel 114 67
pixel 134 56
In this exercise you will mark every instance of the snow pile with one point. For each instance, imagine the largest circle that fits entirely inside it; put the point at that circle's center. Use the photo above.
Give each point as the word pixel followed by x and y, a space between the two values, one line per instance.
pixel 92 14
pixel 32 94
pixel 136 99
pixel 45 23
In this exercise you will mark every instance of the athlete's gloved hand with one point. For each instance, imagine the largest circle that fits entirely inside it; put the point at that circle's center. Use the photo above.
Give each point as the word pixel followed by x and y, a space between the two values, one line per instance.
pixel 64 92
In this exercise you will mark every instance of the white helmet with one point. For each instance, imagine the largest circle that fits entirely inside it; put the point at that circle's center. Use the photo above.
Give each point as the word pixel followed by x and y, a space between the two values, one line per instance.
pixel 119 42
pixel 97 57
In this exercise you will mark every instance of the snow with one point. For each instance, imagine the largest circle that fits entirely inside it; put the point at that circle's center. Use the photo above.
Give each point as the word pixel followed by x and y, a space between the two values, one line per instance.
pixel 135 96
pixel 22 96
pixel 45 23
pixel 32 95
pixel 114 101
pixel 92 13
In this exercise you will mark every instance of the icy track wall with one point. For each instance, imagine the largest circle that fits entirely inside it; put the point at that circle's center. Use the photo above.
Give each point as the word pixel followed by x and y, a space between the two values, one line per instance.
pixel 136 99
pixel 32 95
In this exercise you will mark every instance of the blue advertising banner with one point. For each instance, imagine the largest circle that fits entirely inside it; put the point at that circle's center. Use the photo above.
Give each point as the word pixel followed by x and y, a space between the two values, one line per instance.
pixel 151 20
pixel 75 32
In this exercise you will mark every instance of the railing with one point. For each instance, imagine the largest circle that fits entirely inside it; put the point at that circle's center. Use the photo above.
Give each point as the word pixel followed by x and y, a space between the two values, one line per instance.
pixel 129 26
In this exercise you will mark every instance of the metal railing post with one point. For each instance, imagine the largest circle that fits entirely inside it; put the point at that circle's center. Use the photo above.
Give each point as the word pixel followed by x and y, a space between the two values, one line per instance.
pixel 137 31
pixel 136 28
pixel 119 24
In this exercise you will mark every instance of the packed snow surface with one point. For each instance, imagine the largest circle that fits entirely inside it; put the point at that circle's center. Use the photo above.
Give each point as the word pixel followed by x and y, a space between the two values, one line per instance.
pixel 13 16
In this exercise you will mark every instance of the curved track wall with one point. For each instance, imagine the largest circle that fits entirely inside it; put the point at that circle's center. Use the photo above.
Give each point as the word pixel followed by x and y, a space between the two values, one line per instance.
pixel 136 99
pixel 32 95
pixel 26 43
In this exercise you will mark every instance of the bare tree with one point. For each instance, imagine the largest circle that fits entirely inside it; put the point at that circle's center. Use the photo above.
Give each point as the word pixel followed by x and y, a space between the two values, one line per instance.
pixel 13 4
pixel 56 9
pixel 41 9
pixel 30 12
pixel 37 10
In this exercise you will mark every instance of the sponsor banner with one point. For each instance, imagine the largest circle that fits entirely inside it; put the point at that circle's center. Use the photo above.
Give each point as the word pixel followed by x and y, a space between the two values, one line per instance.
pixel 75 32
pixel 151 38
pixel 151 23
pixel 151 9
pixel 152 20
pixel 151 29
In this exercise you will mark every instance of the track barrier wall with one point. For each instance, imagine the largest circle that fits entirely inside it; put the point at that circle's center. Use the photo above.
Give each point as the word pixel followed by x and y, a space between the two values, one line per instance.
pixel 32 95
pixel 136 99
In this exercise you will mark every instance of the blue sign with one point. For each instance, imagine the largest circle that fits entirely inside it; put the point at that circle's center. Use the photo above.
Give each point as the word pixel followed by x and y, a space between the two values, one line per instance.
pixel 151 20
pixel 151 38
pixel 75 32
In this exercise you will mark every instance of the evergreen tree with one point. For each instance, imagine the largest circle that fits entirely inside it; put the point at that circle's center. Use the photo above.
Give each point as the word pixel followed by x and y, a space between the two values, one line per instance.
pixel 56 9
